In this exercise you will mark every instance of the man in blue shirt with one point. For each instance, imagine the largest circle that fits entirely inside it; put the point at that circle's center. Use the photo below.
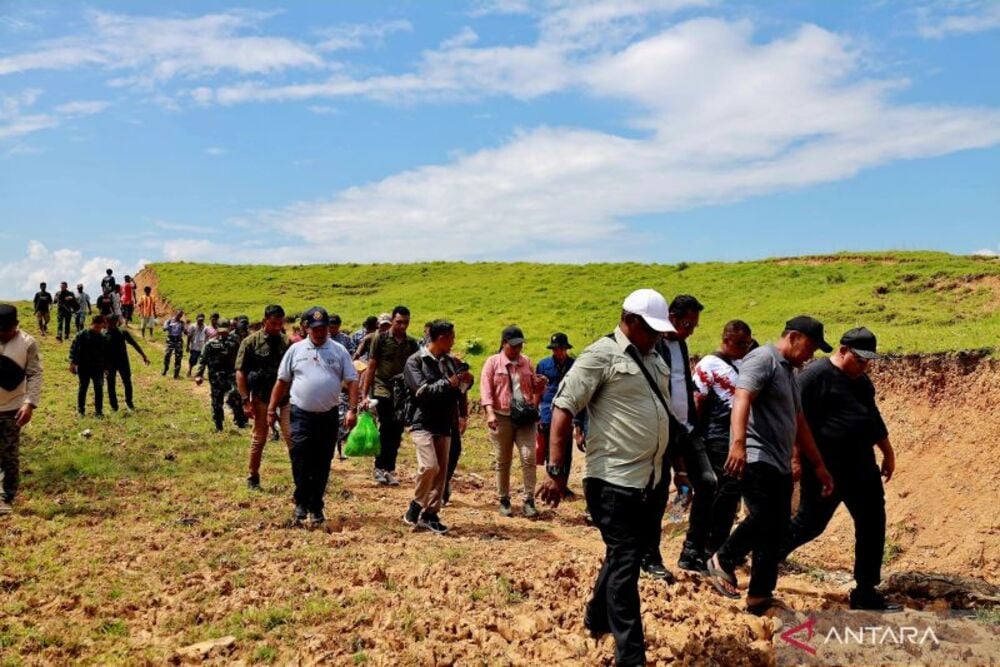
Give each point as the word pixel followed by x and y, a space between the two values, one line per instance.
pixel 316 368
pixel 554 368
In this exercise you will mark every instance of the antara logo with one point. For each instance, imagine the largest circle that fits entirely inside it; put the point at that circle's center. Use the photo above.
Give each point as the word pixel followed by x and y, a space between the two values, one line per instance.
pixel 789 635
pixel 874 635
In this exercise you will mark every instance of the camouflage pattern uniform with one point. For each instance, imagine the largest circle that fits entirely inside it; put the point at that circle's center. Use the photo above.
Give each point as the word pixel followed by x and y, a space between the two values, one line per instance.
pixel 219 357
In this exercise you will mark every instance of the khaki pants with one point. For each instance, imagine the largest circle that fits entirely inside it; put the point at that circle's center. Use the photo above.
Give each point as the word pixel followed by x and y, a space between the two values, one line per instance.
pixel 505 439
pixel 432 468
pixel 261 432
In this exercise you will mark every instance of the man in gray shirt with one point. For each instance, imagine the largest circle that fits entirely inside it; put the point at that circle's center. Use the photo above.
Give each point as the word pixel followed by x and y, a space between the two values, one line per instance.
pixel 767 425
pixel 316 368
pixel 624 385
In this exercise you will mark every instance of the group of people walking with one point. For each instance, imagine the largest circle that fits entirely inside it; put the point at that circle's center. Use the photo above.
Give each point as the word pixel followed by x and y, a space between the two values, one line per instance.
pixel 743 423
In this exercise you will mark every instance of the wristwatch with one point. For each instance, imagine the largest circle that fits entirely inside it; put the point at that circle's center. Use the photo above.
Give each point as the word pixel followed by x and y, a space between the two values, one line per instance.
pixel 553 470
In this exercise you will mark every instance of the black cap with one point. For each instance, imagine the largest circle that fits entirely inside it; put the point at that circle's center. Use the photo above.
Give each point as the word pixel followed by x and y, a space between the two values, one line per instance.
pixel 512 335
pixel 812 328
pixel 861 341
pixel 316 317
pixel 559 340
pixel 8 315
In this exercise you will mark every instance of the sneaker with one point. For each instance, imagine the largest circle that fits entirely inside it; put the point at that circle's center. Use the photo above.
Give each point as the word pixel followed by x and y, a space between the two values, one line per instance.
pixel 529 509
pixel 300 515
pixel 656 570
pixel 5 508
pixel 872 600
pixel 412 516
pixel 317 518
pixel 253 482
pixel 379 476
pixel 432 523
pixel 505 509
pixel 390 478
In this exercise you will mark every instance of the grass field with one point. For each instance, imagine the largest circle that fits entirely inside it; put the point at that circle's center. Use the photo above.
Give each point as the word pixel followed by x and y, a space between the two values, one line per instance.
pixel 142 538
pixel 915 302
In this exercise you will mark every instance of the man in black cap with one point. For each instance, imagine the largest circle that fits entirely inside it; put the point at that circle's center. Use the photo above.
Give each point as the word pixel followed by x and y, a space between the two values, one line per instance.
pixel 766 424
pixel 554 369
pixel 838 400
pixel 20 392
pixel 43 306
pixel 315 369
pixel 88 360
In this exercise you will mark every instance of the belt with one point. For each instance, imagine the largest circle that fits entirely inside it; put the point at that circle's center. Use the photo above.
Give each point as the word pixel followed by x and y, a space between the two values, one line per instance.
pixel 8 413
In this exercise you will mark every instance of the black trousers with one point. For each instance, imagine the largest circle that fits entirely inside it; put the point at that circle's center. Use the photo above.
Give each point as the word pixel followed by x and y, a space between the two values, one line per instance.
pixel 126 373
pixel 858 484
pixel 713 506
pixel 390 434
pixel 768 495
pixel 623 516
pixel 62 324
pixel 88 376
pixel 701 476
pixel 313 435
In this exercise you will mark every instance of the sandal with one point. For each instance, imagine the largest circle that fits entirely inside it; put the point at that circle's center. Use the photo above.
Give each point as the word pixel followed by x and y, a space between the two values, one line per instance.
pixel 722 580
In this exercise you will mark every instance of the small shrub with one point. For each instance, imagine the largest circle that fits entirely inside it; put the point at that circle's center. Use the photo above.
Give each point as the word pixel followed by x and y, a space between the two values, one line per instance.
pixel 474 347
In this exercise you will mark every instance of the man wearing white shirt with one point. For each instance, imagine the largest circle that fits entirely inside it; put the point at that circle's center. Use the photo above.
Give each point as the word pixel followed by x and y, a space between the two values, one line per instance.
pixel 316 369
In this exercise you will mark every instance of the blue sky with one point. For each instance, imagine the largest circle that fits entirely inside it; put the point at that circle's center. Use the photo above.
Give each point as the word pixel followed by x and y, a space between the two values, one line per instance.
pixel 654 130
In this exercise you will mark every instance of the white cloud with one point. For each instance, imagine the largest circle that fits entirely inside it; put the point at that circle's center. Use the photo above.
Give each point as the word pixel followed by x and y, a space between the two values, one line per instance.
pixel 16 120
pixel 82 107
pixel 186 229
pixel 216 151
pixel 20 279
pixel 724 115
pixel 987 252
pixel 355 36
pixel 971 17
pixel 160 49
pixel 492 7
pixel 323 109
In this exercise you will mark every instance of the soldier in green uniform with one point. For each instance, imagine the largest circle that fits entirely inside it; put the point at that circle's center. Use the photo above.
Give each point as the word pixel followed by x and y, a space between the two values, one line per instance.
pixel 219 358
pixel 256 372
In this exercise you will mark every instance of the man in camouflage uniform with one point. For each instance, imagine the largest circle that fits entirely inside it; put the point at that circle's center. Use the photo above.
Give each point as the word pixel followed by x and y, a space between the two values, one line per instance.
pixel 219 357
pixel 256 372
pixel 175 329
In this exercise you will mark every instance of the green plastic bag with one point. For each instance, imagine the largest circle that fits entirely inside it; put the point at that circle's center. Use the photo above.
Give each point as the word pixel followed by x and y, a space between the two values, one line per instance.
pixel 363 439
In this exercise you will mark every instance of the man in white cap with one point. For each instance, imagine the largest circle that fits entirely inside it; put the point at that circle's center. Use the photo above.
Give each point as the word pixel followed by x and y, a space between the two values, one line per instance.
pixel 624 386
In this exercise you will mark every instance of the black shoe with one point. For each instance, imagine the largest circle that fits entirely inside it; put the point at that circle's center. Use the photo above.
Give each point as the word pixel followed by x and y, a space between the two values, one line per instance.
pixel 218 427
pixel 299 515
pixel 656 570
pixel 432 523
pixel 872 600
pixel 596 630
pixel 130 406
pixel 412 516
pixel 317 518
pixel 253 482
pixel 164 373
pixel 692 562
pixel 505 509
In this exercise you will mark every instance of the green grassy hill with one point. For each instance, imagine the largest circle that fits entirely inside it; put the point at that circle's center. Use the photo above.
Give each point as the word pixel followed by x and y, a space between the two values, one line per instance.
pixel 914 301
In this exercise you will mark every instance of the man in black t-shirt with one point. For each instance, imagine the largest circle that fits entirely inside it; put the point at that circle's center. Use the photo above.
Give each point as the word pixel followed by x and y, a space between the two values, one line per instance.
pixel 43 304
pixel 838 400
pixel 66 307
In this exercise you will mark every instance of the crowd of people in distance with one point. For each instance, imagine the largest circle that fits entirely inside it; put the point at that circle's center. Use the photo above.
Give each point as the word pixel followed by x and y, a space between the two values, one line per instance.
pixel 742 423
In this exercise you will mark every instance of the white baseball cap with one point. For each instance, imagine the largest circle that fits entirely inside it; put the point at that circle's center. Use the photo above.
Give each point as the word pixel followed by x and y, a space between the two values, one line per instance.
pixel 652 307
